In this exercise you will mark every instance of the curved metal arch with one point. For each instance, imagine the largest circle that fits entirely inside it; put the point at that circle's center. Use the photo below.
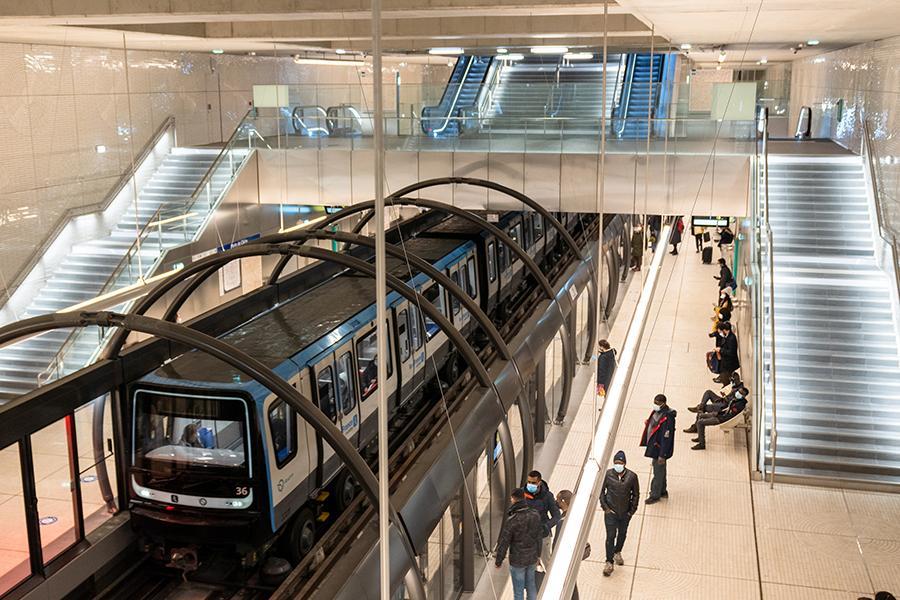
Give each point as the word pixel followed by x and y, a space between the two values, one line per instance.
pixel 234 357
pixel 425 267
pixel 350 262
pixel 568 339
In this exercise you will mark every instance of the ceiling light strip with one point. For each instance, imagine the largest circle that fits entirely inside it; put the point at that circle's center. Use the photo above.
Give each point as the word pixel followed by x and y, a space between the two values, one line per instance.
pixel 563 573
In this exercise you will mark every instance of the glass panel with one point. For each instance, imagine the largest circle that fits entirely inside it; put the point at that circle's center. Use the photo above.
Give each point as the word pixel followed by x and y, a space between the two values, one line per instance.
pixel 326 392
pixel 346 389
pixel 14 565
pixel 435 295
pixel 403 335
pixel 451 547
pixel 415 328
pixel 53 466
pixel 471 276
pixel 492 262
pixel 94 507
pixel 454 301
pixel 367 359
pixel 283 425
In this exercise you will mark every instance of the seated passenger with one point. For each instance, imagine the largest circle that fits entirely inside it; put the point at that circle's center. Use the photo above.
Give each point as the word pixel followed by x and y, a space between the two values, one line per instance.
pixel 190 436
pixel 725 306
pixel 714 402
pixel 734 407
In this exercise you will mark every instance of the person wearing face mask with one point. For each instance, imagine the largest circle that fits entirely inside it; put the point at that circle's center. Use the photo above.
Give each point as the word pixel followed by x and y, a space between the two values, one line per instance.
pixel 520 535
pixel 725 277
pixel 619 497
pixel 729 361
pixel 725 306
pixel 539 497
pixel 713 402
pixel 659 439
pixel 734 407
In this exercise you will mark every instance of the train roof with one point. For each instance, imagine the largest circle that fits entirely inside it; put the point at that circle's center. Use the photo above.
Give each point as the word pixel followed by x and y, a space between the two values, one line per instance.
pixel 307 324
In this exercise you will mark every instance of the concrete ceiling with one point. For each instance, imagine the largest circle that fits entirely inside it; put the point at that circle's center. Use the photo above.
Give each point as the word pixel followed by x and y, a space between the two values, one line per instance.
pixel 415 25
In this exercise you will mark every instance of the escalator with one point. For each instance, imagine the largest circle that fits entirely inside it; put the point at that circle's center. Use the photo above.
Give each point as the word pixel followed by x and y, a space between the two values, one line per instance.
pixel 644 94
pixel 461 93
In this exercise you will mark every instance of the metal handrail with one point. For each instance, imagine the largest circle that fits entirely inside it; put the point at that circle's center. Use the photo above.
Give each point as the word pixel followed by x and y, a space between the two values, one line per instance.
pixel 459 89
pixel 770 245
pixel 630 68
pixel 71 213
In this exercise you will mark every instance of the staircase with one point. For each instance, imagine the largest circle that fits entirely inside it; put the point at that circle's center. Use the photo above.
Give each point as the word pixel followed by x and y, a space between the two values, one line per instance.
pixel 640 96
pixel 836 355
pixel 89 266
pixel 538 88
pixel 468 75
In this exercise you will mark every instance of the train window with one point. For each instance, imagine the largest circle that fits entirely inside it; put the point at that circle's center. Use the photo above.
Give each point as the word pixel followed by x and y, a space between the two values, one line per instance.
pixel 472 277
pixel 403 334
pixel 435 295
pixel 502 256
pixel 528 231
pixel 367 359
pixel 283 425
pixel 454 301
pixel 346 389
pixel 326 393
pixel 415 328
pixel 538 227
pixel 492 262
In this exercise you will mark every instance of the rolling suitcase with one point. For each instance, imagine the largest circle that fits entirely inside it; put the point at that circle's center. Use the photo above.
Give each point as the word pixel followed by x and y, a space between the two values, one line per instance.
pixel 707 255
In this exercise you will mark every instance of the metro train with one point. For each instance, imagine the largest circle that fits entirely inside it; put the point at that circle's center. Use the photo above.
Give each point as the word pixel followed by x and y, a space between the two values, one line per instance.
pixel 217 461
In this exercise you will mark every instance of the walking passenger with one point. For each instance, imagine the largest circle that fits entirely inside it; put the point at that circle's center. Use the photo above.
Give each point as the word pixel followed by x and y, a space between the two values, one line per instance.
pixel 619 498
pixel 606 366
pixel 698 238
pixel 659 439
pixel 539 497
pixel 521 535
pixel 729 361
pixel 677 231
pixel 637 248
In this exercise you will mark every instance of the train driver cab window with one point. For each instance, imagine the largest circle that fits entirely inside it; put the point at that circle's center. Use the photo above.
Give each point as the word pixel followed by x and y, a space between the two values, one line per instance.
pixel 346 389
pixel 403 335
pixel 471 280
pixel 283 425
pixel 492 262
pixel 367 358
pixel 454 301
pixel 435 295
pixel 326 393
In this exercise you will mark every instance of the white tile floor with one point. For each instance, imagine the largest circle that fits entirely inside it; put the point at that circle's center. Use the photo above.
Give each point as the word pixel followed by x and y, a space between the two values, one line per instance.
pixel 719 535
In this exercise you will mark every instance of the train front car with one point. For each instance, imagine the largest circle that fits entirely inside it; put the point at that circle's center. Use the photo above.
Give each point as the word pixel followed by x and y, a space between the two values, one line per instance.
pixel 196 480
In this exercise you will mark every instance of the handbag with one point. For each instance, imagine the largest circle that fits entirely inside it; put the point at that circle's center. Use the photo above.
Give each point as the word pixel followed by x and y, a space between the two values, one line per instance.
pixel 712 362
pixel 706 237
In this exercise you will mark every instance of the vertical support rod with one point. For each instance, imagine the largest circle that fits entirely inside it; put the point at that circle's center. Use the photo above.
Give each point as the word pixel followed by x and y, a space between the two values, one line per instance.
pixel 596 309
pixel 381 309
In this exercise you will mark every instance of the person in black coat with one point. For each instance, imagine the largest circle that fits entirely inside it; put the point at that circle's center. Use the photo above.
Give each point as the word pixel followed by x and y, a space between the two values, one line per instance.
pixel 521 535
pixel 725 306
pixel 539 497
pixel 659 439
pixel 619 497
pixel 606 366
pixel 729 361
pixel 725 277
pixel 677 230
pixel 734 407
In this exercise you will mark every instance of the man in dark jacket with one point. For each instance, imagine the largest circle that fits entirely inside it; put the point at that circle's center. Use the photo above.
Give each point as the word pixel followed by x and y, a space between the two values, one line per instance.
pixel 637 248
pixel 729 362
pixel 521 535
pixel 714 402
pixel 606 366
pixel 734 407
pixel 725 277
pixel 539 497
pixel 619 498
pixel 659 439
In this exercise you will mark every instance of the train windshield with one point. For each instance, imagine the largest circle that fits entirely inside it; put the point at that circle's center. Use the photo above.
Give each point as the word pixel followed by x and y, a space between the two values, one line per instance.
pixel 182 433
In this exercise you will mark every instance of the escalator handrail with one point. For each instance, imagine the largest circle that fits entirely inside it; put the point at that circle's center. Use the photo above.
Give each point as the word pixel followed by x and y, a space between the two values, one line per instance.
pixel 884 231
pixel 626 91
pixel 295 118
pixel 452 108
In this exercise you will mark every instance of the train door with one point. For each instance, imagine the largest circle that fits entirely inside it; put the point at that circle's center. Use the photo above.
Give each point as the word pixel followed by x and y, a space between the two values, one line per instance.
pixel 460 316
pixel 406 350
pixel 326 398
pixel 347 394
pixel 367 358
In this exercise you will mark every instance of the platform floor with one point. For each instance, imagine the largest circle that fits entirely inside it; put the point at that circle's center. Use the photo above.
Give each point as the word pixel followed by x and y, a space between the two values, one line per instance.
pixel 719 535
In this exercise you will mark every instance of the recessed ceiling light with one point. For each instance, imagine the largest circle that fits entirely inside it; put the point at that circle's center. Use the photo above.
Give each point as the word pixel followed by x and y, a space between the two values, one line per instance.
pixel 721 56
pixel 512 57
pixel 251 53
pixel 685 46
pixel 328 62
pixel 718 67
pixel 217 51
pixel 549 50
pixel 812 43
pixel 578 56
pixel 763 60
pixel 502 50
pixel 445 51
pixel 100 149
pixel 340 51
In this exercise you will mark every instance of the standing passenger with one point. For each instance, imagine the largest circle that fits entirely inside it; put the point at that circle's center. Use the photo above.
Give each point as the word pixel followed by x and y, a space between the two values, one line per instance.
pixel 637 248
pixel 659 439
pixel 539 497
pixel 698 238
pixel 606 366
pixel 521 535
pixel 619 499
pixel 677 230
pixel 729 360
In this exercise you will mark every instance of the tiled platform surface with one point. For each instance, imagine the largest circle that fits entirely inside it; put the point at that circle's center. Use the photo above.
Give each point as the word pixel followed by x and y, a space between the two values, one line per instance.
pixel 718 536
